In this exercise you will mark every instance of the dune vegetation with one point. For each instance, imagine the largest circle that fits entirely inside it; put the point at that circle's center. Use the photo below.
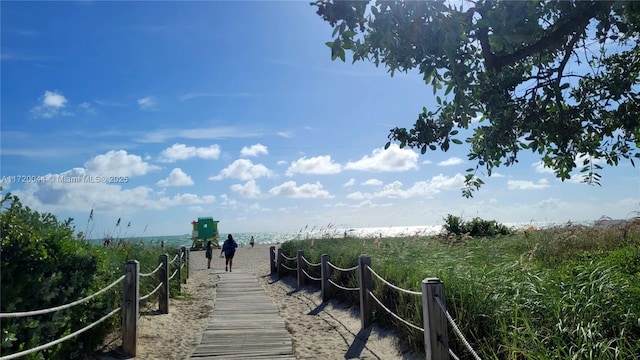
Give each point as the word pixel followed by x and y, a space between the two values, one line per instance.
pixel 569 292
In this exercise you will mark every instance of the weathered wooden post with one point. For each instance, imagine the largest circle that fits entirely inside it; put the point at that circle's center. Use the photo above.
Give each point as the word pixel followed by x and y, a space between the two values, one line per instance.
pixel 301 268
pixel 436 342
pixel 163 277
pixel 272 259
pixel 279 262
pixel 179 271
pixel 325 275
pixel 366 308
pixel 130 307
pixel 185 252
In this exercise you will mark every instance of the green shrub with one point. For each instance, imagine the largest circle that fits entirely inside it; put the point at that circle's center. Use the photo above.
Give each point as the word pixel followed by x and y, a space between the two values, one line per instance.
pixel 42 266
pixel 476 227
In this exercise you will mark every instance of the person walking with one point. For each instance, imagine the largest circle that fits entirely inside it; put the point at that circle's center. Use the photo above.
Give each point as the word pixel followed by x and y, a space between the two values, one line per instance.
pixel 229 249
pixel 252 242
pixel 208 253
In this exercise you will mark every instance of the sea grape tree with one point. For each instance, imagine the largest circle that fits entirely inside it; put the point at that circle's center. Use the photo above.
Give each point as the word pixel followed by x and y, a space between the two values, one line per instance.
pixel 556 78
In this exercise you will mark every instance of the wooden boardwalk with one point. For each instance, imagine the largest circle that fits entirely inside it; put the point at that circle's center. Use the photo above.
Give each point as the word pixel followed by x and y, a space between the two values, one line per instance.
pixel 245 323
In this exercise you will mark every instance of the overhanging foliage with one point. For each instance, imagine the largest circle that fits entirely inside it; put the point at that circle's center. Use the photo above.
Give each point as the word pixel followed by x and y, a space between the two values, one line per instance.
pixel 557 78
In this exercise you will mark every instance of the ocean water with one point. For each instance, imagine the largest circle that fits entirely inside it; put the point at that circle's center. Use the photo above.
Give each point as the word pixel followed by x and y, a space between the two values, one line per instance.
pixel 280 237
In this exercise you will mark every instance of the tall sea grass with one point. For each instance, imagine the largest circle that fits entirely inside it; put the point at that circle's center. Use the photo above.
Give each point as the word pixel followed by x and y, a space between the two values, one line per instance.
pixel 569 292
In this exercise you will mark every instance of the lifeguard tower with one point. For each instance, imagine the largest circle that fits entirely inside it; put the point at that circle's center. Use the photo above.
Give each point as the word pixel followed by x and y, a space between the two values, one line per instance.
pixel 204 229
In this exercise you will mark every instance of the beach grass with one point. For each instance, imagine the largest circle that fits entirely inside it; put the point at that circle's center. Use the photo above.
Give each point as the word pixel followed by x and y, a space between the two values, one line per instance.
pixel 559 293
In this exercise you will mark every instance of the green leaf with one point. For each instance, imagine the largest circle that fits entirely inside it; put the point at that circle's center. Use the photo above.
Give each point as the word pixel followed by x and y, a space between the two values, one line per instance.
pixel 386 146
pixel 456 141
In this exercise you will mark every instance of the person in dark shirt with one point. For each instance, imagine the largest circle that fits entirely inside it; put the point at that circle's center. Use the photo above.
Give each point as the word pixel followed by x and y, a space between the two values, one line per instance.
pixel 229 249
pixel 208 253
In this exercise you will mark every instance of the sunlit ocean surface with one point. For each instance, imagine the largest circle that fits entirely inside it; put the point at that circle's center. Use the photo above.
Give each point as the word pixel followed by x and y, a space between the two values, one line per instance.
pixel 308 233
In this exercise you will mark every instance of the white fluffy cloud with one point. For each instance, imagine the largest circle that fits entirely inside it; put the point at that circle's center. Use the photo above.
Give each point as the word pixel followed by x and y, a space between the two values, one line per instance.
pixel 52 104
pixel 373 182
pixel 182 152
pixel 451 161
pixel 254 150
pixel 395 189
pixel 527 185
pixel 249 190
pixel 319 165
pixel 290 189
pixel 381 160
pixel 119 163
pixel 243 169
pixel 177 177
pixel 349 183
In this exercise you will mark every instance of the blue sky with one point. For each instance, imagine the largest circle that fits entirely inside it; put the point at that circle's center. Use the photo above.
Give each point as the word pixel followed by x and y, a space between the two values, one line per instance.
pixel 169 111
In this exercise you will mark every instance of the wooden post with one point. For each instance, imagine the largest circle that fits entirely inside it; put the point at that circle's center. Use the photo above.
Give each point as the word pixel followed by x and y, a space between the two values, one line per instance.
pixel 131 307
pixel 436 342
pixel 326 275
pixel 179 273
pixel 279 262
pixel 163 277
pixel 301 266
pixel 185 252
pixel 365 286
pixel 272 259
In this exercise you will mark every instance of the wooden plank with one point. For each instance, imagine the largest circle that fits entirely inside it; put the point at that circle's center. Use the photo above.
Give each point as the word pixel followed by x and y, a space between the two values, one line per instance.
pixel 245 323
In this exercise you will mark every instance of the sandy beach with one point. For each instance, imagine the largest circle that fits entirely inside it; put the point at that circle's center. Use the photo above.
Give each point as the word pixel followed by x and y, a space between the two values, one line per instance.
pixel 319 331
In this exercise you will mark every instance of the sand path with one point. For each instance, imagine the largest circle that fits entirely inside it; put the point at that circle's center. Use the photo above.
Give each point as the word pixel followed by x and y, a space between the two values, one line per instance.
pixel 319 331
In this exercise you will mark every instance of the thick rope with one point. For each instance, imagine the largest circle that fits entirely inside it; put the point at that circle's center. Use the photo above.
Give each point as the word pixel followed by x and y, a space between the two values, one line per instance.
pixel 61 307
pixel 308 263
pixel 288 268
pixel 173 275
pixel 453 355
pixel 151 293
pixel 311 277
pixel 341 269
pixel 151 273
pixel 342 287
pixel 289 258
pixel 393 286
pixel 456 329
pixel 174 259
pixel 394 315
pixel 55 342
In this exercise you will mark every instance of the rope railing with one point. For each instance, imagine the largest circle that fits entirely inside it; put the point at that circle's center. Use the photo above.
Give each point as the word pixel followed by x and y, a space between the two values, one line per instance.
pixel 289 258
pixel 311 277
pixel 61 307
pixel 130 312
pixel 432 294
pixel 308 263
pixel 453 355
pixel 58 341
pixel 174 259
pixel 392 313
pixel 174 274
pixel 456 330
pixel 152 272
pixel 289 268
pixel 151 293
pixel 341 269
pixel 343 287
pixel 391 285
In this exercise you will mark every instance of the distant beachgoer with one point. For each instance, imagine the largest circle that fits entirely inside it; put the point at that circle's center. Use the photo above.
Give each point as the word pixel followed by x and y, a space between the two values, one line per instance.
pixel 252 242
pixel 209 253
pixel 229 249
